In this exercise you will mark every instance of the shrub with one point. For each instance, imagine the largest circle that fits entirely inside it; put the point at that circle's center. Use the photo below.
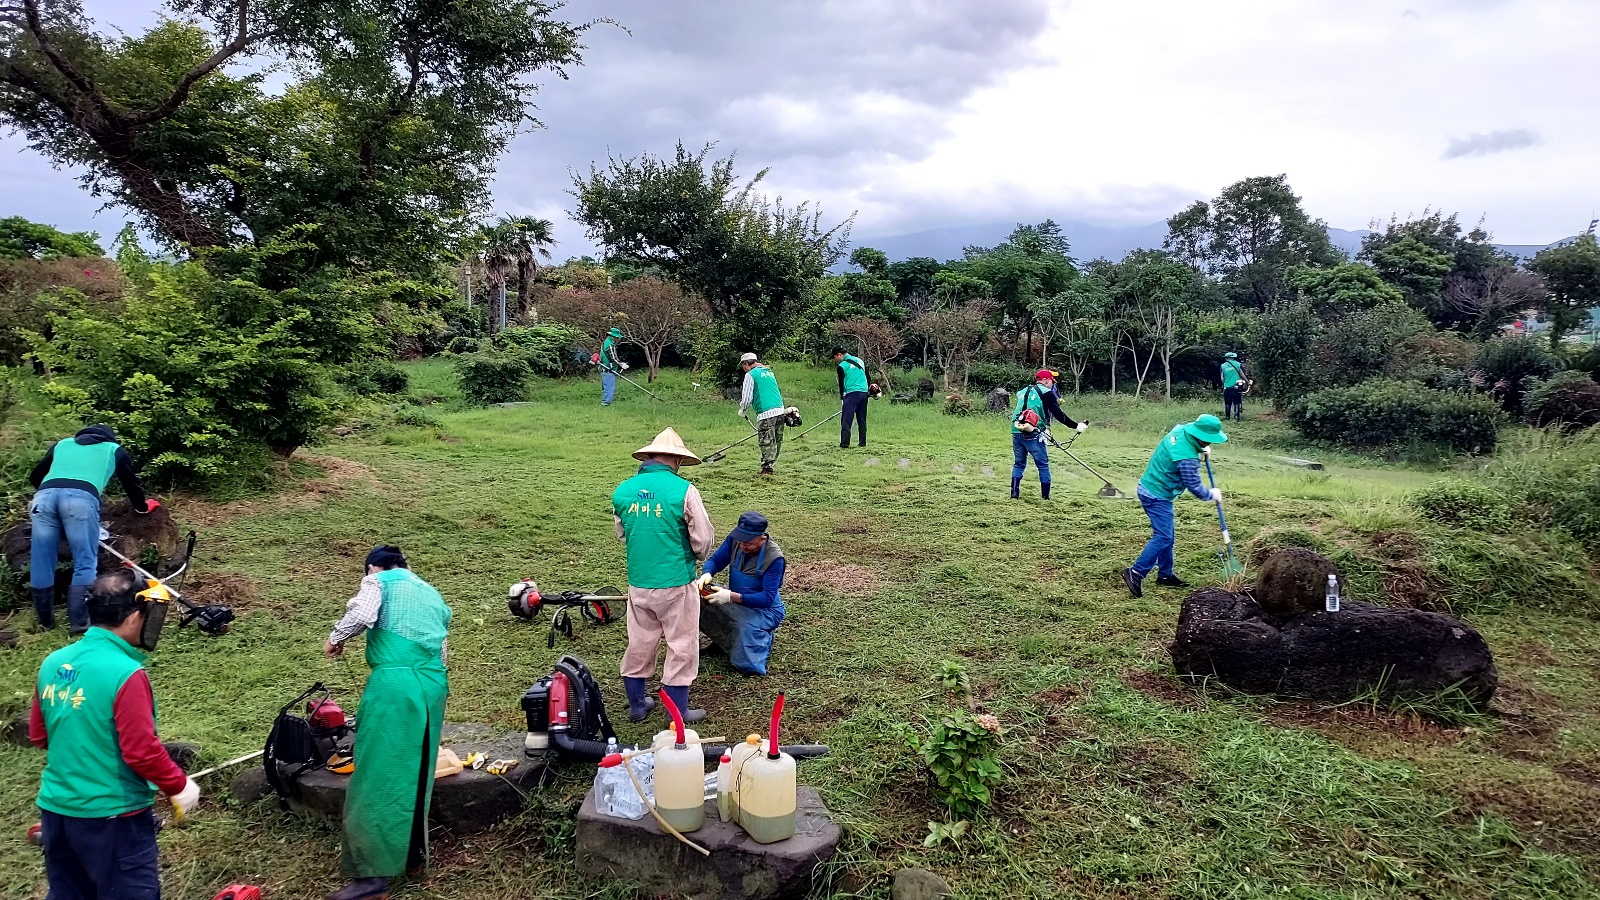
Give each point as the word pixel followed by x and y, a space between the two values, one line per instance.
pixel 545 349
pixel 493 378
pixel 415 416
pixel 985 375
pixel 1588 361
pixel 1570 399
pixel 1366 342
pixel 960 750
pixel 1280 352
pixel 1467 504
pixel 1556 482
pixel 957 405
pixel 376 376
pixel 1383 413
pixel 1505 362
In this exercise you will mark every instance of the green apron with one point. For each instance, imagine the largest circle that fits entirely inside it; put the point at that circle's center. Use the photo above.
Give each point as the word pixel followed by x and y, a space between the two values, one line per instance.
pixel 397 746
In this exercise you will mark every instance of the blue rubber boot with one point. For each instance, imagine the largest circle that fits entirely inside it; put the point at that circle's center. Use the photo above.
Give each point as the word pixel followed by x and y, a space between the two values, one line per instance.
pixel 1016 488
pixel 640 703
pixel 680 699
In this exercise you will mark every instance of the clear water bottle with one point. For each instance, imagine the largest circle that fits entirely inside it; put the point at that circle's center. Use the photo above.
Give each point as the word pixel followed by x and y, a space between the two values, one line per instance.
pixel 1332 602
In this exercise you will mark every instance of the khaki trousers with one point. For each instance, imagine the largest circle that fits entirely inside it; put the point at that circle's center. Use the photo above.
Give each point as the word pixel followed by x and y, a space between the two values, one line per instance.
pixel 655 614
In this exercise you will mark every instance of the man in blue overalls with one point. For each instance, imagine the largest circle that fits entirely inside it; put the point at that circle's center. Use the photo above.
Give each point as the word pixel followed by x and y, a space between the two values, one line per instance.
pixel 741 617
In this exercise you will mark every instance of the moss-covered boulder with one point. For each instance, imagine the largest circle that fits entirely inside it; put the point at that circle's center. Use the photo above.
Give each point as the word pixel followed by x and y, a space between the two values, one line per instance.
pixel 1292 581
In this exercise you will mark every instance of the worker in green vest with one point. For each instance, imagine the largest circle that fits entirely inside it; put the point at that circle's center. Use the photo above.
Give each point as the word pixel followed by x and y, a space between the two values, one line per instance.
pixel 1233 382
pixel 95 716
pixel 760 393
pixel 402 710
pixel 70 479
pixel 853 390
pixel 1174 468
pixel 610 365
pixel 1036 405
pixel 662 520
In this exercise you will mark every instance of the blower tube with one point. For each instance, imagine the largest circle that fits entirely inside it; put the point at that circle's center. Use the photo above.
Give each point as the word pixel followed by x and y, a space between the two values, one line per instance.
pixel 773 751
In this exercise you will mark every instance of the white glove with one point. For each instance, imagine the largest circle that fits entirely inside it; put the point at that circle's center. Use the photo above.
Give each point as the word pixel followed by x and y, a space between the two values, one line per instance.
pixel 624 367
pixel 1216 495
pixel 186 799
pixel 702 581
pixel 721 595
pixel 1082 427
pixel 793 411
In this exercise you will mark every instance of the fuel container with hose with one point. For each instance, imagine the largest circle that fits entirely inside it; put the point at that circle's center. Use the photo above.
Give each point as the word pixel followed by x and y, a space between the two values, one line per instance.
pixel 680 774
pixel 768 789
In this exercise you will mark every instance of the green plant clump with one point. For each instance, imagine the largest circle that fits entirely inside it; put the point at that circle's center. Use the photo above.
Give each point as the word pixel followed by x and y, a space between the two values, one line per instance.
pixel 493 378
pixel 1465 504
pixel 377 376
pixel 960 750
pixel 1569 399
pixel 1382 413
pixel 545 349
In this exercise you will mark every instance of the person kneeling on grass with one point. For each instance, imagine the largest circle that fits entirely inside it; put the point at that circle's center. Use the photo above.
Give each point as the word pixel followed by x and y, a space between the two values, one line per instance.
pixel 1174 467
pixel 742 617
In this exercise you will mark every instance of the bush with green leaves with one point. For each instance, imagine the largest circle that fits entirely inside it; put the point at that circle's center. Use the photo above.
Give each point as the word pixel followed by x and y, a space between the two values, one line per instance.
pixel 961 749
pixel 547 350
pixel 201 373
pixel 1505 365
pixel 1465 504
pixel 1366 343
pixel 1396 414
pixel 375 376
pixel 1555 482
pixel 1280 352
pixel 493 377
pixel 1570 399
pixel 985 375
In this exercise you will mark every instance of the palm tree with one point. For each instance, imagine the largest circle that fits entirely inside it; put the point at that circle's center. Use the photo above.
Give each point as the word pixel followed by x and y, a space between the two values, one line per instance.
pixel 498 247
pixel 532 238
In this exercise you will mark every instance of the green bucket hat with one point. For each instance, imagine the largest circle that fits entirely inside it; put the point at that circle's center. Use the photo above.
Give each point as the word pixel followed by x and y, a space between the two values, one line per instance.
pixel 1230 356
pixel 1207 430
pixel 615 332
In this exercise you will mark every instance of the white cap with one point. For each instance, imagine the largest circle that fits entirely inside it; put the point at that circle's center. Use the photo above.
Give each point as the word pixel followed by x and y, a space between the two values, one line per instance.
pixel 748 357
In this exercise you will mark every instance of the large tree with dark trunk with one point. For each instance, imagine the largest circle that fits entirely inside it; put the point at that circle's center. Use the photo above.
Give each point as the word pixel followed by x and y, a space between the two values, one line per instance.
pixel 384 136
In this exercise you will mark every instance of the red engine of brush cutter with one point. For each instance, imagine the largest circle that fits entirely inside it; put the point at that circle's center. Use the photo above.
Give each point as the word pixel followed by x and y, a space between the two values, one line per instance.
pixel 325 714
pixel 239 892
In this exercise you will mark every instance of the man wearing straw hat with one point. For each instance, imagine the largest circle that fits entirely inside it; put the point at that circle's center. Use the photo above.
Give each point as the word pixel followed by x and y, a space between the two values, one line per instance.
pixel 663 522
pixel 610 365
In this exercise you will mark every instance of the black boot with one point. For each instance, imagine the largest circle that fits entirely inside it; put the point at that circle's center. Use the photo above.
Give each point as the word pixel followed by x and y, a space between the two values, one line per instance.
pixel 640 703
pixel 1044 490
pixel 1016 488
pixel 44 607
pixel 77 608
pixel 1171 581
pixel 1132 581
pixel 362 889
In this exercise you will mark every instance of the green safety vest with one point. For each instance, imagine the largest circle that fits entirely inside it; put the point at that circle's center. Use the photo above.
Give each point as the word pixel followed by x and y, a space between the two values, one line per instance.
pixel 93 463
pixel 412 609
pixel 84 774
pixel 1161 477
pixel 855 374
pixel 766 393
pixel 1032 398
pixel 1232 373
pixel 650 505
pixel 608 355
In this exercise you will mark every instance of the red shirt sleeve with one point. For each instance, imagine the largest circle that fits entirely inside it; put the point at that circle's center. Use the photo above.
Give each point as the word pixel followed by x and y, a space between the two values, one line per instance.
pixel 36 733
pixel 134 712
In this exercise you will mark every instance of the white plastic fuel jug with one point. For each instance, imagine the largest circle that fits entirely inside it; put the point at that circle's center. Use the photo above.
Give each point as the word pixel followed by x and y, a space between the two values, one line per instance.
pixel 767 790
pixel 680 774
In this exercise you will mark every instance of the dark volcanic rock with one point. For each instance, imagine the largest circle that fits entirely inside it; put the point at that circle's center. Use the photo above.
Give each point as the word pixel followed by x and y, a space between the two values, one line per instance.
pixel 1330 656
pixel 998 400
pixel 639 853
pixel 132 534
pixel 1292 581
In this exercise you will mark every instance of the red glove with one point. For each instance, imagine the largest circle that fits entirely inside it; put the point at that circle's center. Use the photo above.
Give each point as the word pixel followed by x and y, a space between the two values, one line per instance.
pixel 151 504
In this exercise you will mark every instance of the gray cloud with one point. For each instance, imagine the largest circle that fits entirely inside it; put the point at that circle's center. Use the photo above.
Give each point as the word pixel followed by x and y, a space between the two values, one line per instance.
pixel 1492 142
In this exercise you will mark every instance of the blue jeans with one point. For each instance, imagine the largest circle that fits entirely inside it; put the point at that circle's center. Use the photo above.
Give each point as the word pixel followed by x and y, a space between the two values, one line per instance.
pixel 1024 445
pixel 75 514
pixel 1158 552
pixel 608 387
pixel 101 859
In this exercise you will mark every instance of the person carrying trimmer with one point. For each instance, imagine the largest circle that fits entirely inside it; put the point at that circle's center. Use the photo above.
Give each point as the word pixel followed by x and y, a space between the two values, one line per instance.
pixel 760 392
pixel 742 617
pixel 1233 379
pixel 661 519
pixel 853 389
pixel 610 365
pixel 1036 405
pixel 402 711
pixel 1174 467
pixel 70 479
pixel 95 716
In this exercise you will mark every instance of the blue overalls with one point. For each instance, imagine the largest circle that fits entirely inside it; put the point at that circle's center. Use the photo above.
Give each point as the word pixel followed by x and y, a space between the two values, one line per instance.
pixel 756 579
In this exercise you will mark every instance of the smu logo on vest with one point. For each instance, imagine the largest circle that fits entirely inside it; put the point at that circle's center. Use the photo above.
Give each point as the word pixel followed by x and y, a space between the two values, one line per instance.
pixel 641 505
pixel 63 692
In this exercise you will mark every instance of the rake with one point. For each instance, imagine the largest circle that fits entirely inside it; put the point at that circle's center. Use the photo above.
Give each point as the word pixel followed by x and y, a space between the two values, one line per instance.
pixel 1231 565
pixel 1109 490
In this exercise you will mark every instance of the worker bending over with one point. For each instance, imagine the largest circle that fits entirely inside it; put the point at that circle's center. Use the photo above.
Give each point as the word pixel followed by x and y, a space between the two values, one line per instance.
pixel 1174 467
pixel 742 617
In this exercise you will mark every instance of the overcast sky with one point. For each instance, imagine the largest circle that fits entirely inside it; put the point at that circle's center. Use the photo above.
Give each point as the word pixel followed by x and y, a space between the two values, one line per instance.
pixel 927 113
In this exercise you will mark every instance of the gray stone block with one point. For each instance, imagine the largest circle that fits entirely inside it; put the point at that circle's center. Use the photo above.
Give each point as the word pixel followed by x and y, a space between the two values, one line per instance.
pixel 639 853
pixel 465 803
pixel 918 884
pixel 183 753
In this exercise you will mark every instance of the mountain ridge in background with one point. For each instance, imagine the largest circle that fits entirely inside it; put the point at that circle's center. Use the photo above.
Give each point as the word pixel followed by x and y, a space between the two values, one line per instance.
pixel 1088 242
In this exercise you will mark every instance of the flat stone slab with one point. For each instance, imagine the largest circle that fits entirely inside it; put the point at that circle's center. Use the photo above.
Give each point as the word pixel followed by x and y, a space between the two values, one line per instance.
pixel 639 853
pixel 466 803
pixel 1301 463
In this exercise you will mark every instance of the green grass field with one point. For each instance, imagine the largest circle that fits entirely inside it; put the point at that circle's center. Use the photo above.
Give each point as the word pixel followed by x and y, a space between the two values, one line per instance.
pixel 1119 782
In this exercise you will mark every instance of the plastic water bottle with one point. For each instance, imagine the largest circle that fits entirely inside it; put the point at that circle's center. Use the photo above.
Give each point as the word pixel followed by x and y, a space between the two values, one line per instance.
pixel 615 794
pixel 1332 602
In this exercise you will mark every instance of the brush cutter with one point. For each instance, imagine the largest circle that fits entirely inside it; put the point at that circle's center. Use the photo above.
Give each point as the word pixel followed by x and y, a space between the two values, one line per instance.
pixel 1109 490
pixel 638 385
pixel 1231 565
pixel 718 455
pixel 526 601
pixel 819 424
pixel 213 619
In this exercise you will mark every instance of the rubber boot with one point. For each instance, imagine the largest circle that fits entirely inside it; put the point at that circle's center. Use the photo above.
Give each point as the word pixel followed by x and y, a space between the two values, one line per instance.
pixel 44 607
pixel 680 698
pixel 1044 490
pixel 362 889
pixel 77 608
pixel 1016 488
pixel 640 703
